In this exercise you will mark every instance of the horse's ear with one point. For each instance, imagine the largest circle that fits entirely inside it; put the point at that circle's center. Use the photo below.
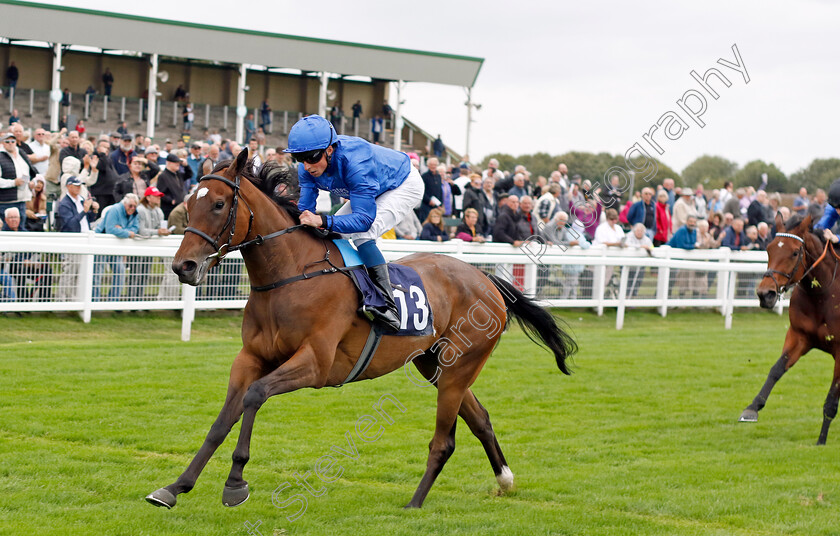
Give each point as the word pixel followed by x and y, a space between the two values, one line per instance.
pixel 239 162
pixel 805 226
pixel 780 224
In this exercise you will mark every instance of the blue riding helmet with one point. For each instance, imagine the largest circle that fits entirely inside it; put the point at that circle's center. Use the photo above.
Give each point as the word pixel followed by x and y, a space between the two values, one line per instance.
pixel 311 134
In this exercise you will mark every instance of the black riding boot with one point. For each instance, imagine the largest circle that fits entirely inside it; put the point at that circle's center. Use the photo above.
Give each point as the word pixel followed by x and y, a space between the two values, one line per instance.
pixel 386 316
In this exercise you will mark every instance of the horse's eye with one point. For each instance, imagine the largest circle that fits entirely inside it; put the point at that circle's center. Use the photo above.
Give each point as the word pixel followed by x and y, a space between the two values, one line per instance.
pixel 796 253
pixel 219 205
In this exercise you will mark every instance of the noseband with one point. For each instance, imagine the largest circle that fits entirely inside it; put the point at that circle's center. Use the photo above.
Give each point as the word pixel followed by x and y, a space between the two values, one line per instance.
pixel 781 289
pixel 226 248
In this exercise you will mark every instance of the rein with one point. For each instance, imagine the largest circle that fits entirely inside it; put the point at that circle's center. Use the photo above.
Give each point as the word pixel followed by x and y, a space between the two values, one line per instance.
pixel 224 249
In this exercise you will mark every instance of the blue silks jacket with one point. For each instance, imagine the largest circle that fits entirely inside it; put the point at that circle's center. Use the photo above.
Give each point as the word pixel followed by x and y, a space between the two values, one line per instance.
pixel 359 171
pixel 829 218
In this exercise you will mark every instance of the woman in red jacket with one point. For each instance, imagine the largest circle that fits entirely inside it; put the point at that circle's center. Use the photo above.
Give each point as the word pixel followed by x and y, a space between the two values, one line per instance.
pixel 663 219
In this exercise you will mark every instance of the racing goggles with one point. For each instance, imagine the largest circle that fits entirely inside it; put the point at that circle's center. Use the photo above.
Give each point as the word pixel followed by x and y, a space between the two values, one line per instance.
pixel 309 157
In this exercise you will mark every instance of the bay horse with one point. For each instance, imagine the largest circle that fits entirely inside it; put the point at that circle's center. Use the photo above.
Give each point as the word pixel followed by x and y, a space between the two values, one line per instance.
pixel 798 257
pixel 307 333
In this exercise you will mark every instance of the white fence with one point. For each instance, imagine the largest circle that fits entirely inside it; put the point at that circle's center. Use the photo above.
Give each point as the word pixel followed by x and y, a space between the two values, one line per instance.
pixel 91 272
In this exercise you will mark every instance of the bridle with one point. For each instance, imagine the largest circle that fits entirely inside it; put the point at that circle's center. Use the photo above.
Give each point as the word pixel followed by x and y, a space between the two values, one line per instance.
pixel 224 249
pixel 781 289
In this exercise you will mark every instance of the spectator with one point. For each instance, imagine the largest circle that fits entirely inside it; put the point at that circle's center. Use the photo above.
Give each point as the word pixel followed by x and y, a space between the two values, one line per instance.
pixel 433 192
pixel 194 161
pixel 209 162
pixel 764 236
pixel 15 174
pixel 122 130
pixel 726 193
pixel 637 239
pixel 715 204
pixel 66 100
pixel 150 223
pixel 107 179
pixel 818 206
pixel 520 187
pixel 506 229
pixel 468 230
pixel 108 82
pixel 172 183
pixel 437 147
pixel 549 203
pixel 135 181
pixel 734 237
pixel 336 116
pixel 376 128
pixel 683 208
pixel 80 127
pixel 250 127
pixel 121 158
pixel 527 220
pixel 180 93
pixel 705 238
pixel 716 225
pixel 24 266
pixel 12 75
pixel 387 111
pixel 559 232
pixel 189 117
pixel 75 215
pixel 121 221
pixel 39 151
pixel 73 147
pixel 36 206
pixel 759 210
pixel 644 212
pixel 357 110
pixel 410 228
pixel 686 236
pixel 433 227
pixel 668 186
pixel 752 243
pixel 663 219
pixel 800 204
pixel 71 167
pixel 485 201
pixel 449 190
pixel 14 117
pixel 493 170
pixel 612 199
pixel 700 203
pixel 588 213
pixel 610 232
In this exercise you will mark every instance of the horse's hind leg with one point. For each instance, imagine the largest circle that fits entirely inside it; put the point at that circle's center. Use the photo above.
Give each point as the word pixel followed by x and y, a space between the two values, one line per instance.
pixel 830 407
pixel 796 346
pixel 450 394
pixel 244 371
pixel 478 420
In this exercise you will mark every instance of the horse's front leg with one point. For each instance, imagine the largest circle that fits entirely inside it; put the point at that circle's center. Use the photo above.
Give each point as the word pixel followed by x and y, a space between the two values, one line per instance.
pixel 796 345
pixel 303 370
pixel 245 370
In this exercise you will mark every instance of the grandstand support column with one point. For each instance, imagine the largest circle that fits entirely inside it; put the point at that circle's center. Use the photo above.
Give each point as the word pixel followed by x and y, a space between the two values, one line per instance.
pixel 56 86
pixel 469 119
pixel 150 117
pixel 398 121
pixel 240 104
pixel 322 94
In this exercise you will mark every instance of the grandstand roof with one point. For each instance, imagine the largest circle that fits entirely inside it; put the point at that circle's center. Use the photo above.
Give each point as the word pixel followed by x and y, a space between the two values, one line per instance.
pixel 118 31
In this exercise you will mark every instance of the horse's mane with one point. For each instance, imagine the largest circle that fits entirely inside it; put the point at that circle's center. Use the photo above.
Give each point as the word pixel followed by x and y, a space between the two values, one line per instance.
pixel 271 179
pixel 794 221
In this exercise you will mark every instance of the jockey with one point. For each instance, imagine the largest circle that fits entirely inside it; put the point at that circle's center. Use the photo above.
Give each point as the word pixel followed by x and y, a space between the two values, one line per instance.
pixel 381 184
pixel 832 208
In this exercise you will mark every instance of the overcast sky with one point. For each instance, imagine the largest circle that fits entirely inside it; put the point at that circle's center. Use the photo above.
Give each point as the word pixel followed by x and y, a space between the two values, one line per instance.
pixel 589 75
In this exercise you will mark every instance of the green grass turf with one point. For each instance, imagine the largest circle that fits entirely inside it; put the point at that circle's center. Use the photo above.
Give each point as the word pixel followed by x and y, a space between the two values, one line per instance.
pixel 642 439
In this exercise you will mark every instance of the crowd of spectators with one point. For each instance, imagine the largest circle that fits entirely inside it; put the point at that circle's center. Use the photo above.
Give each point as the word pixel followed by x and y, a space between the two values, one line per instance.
pixel 127 186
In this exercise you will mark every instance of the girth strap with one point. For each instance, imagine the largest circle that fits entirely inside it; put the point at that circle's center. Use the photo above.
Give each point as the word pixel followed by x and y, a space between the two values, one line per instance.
pixel 371 345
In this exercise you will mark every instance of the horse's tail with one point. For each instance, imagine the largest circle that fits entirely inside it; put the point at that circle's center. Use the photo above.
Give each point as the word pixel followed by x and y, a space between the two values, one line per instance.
pixel 537 323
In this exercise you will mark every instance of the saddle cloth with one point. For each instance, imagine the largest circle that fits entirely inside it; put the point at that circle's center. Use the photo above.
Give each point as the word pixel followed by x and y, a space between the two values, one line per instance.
pixel 411 299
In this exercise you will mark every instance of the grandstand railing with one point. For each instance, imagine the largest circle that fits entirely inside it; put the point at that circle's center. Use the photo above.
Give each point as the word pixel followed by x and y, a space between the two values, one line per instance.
pixel 95 272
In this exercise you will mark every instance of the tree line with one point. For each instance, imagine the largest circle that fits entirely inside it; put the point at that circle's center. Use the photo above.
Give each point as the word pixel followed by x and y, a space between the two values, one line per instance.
pixel 710 171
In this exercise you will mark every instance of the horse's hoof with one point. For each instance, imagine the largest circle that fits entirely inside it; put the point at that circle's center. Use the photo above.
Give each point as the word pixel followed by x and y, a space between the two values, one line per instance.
pixel 749 415
pixel 235 496
pixel 410 506
pixel 162 497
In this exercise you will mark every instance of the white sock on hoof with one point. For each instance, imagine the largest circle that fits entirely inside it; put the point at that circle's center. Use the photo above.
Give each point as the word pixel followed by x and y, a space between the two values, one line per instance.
pixel 505 479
